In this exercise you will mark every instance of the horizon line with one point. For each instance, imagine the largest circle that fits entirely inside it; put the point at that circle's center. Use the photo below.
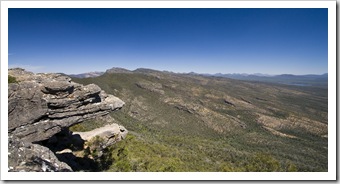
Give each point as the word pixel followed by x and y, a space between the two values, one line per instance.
pixel 160 70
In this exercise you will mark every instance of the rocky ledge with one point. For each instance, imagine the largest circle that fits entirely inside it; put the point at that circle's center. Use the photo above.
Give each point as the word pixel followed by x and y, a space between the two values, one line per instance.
pixel 41 106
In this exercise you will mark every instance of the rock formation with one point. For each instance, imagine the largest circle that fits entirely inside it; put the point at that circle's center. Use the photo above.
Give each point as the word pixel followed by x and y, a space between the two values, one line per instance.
pixel 25 156
pixel 42 105
pixel 153 87
pixel 108 135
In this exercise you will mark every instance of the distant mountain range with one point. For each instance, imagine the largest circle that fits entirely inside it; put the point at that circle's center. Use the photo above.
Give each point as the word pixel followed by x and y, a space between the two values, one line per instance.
pixel 289 79
pixel 87 75
pixel 298 80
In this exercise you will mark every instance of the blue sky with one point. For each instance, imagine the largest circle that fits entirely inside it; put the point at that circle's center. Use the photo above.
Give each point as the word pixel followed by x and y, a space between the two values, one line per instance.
pixel 256 40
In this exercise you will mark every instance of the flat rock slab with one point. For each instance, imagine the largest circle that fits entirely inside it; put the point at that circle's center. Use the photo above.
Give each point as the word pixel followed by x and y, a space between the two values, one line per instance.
pixel 109 133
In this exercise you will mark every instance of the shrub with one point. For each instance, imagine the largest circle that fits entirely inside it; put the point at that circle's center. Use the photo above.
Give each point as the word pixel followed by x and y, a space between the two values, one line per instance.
pixel 78 128
pixel 292 167
pixel 12 79
pixel 263 163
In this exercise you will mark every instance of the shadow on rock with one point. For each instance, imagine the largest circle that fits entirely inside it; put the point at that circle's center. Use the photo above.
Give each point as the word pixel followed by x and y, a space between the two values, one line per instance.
pixel 65 145
pixel 78 163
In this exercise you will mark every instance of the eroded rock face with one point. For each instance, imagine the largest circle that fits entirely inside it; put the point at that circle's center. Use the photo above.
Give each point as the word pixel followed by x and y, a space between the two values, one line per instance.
pixel 42 105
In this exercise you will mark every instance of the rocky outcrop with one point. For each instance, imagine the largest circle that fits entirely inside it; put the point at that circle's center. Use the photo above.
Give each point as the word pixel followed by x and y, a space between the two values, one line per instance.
pixel 153 87
pixel 228 102
pixel 41 105
pixel 99 139
pixel 109 133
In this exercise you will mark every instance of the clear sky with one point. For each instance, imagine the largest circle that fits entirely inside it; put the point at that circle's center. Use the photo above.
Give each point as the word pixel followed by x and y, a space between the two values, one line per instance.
pixel 269 41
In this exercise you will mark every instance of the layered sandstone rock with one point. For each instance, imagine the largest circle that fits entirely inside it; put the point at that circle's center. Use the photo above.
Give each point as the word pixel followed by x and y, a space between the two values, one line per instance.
pixel 42 105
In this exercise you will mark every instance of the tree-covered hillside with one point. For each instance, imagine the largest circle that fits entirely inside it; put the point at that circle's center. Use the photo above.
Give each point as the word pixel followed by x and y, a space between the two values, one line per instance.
pixel 181 122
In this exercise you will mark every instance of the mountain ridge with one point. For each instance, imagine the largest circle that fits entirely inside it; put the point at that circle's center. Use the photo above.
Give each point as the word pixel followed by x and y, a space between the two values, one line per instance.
pixel 141 70
pixel 319 80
